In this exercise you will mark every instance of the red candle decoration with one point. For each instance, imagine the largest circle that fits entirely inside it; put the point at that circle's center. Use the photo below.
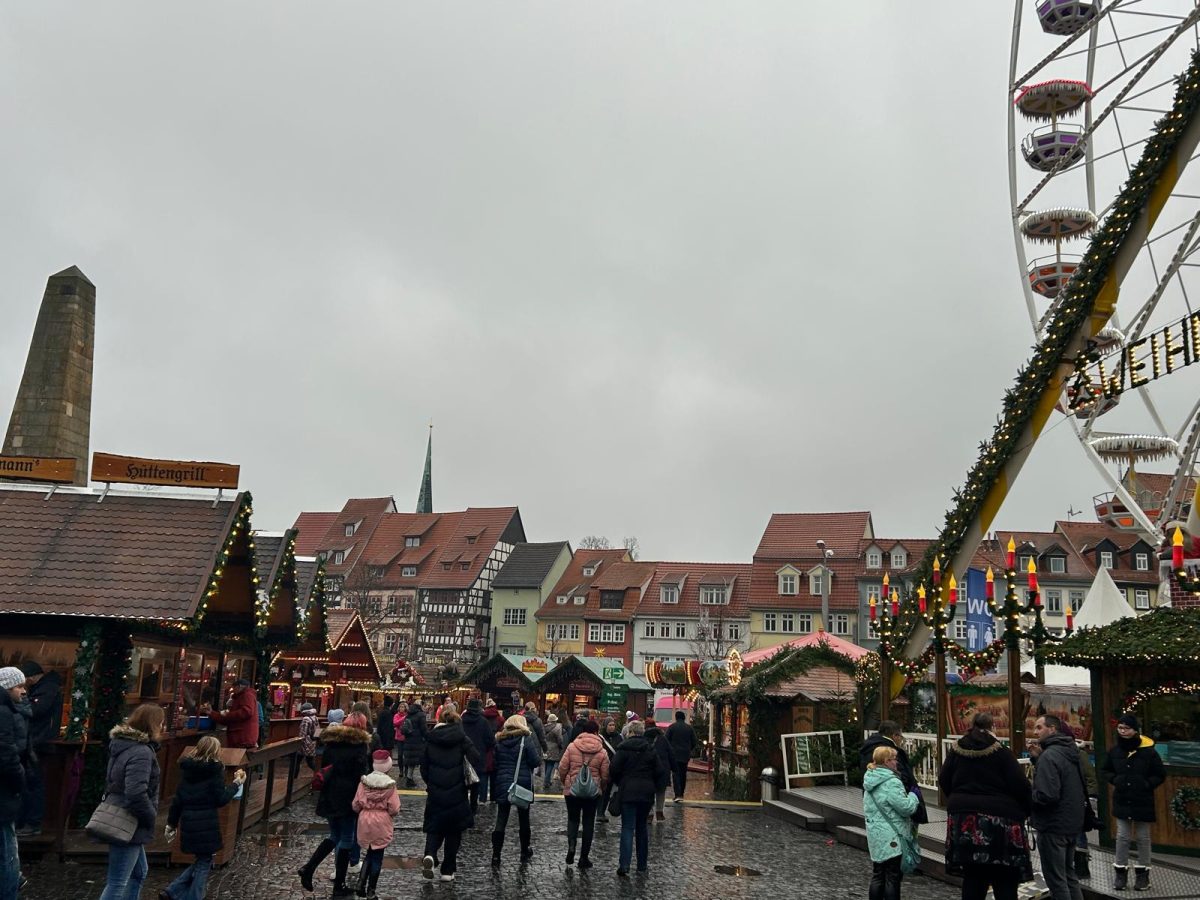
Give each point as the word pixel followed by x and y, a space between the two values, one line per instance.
pixel 895 605
pixel 1032 570
pixel 990 585
pixel 937 572
pixel 953 590
pixel 1010 559
pixel 1070 618
pixel 921 599
pixel 1177 549
pixel 872 605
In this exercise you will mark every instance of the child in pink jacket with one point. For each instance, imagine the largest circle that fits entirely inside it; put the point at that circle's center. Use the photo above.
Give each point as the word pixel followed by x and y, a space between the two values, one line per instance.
pixel 376 803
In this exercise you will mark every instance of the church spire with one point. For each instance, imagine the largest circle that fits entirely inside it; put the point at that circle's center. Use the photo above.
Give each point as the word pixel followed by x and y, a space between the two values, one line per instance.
pixel 425 498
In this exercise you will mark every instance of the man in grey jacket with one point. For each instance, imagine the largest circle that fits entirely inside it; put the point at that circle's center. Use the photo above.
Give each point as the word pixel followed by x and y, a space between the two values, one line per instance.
pixel 1058 799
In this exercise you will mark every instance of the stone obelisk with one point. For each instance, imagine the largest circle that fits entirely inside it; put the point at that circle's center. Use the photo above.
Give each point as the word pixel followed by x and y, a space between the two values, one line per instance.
pixel 52 415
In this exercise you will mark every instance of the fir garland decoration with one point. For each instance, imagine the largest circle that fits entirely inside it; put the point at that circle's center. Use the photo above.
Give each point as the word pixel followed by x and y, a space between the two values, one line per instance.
pixel 1185 798
pixel 1164 636
pixel 84 681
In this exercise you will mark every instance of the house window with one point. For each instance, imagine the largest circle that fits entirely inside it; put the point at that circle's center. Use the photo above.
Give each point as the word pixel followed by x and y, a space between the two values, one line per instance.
pixel 872 631
pixel 391 604
pixel 1141 599
pixel 470 539
pixel 668 593
pixel 1023 562
pixel 389 643
pixel 874 559
pixel 561 599
pixel 412 542
pixel 580 599
pixel 787 584
pixel 589 571
pixel 712 596
pixel 612 599
pixel 572 632
pixel 339 557
pixel 445 567
pixel 960 629
pixel 681 629
pixel 1106 559
pixel 606 633
pixel 1075 598
pixel 804 623
pixel 404 609
pixel 1054 602
pixel 816 583
pixel 351 527
pixel 873 591
pixel 841 623
pixel 465 566
pixel 787 622
pixel 648 630
pixel 769 622
pixel 514 617
pixel 1141 562
pixel 1058 564
pixel 899 559
pixel 376 571
pixel 408 571
pixel 514 649
pixel 733 630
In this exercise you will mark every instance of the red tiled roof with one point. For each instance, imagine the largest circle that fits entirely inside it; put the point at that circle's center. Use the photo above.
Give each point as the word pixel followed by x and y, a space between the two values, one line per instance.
pixel 1085 536
pixel 914 549
pixel 130 556
pixel 312 527
pixel 693 575
pixel 994 551
pixel 478 532
pixel 794 536
pixel 573 581
pixel 365 511
pixel 629 577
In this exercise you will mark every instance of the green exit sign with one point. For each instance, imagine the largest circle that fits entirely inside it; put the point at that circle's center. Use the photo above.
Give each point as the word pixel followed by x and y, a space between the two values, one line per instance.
pixel 614 674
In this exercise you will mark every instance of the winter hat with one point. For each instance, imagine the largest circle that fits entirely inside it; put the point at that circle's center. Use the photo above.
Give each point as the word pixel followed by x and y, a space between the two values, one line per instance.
pixel 307 707
pixel 1131 720
pixel 31 668
pixel 381 761
pixel 552 718
pixel 11 677
pixel 336 716
pixel 474 703
pixel 630 715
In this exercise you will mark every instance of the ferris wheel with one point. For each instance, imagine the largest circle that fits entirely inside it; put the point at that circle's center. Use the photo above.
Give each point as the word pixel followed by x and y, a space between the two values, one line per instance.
pixel 1089 81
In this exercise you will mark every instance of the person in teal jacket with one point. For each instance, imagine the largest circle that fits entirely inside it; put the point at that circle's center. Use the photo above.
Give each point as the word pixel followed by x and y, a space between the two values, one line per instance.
pixel 888 808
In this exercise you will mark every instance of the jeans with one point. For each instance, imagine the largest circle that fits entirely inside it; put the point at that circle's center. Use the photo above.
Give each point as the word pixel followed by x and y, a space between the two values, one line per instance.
pixel 126 872
pixel 437 840
pixel 679 776
pixel 660 802
pixel 10 862
pixel 550 765
pixel 577 807
pixel 502 812
pixel 33 798
pixel 602 806
pixel 193 881
pixel 633 821
pixel 343 831
pixel 372 865
pixel 885 880
pixel 1125 827
pixel 978 877
pixel 1057 852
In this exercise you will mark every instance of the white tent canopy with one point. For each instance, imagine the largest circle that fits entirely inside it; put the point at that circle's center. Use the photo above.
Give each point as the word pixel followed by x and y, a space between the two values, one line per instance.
pixel 1103 605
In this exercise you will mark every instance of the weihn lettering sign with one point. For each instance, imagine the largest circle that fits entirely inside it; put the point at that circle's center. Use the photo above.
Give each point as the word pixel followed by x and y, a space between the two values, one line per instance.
pixel 1137 363
pixel 58 470
pixel 108 467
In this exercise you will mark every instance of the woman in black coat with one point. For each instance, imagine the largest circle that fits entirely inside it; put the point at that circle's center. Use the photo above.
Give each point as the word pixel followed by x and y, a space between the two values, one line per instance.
pixel 662 747
pixel 202 791
pixel 1135 770
pixel 610 734
pixel 345 758
pixel 448 811
pixel 636 770
pixel 384 729
pixel 515 743
pixel 133 781
pixel 414 730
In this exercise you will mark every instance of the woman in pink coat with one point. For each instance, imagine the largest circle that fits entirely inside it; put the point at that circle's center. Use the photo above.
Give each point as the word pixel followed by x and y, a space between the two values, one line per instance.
pixel 587 750
pixel 377 804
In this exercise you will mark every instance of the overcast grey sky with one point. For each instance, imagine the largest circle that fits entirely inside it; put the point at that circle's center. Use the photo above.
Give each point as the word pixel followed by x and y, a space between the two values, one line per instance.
pixel 655 269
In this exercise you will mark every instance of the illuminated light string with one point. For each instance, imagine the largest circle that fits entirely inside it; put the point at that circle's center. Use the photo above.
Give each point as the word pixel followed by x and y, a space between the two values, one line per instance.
pixel 1134 699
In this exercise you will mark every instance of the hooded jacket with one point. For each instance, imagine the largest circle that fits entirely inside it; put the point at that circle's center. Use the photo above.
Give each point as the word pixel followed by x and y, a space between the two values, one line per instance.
pixel 682 738
pixel 554 741
pixel 377 804
pixel 308 732
pixel 241 719
pixel 637 769
pixel 414 729
pixel 1058 792
pixel 14 755
pixel 46 699
pixel 1134 774
pixel 133 778
pixel 479 730
pixel 447 809
pixel 586 750
pixel 887 807
pixel 508 747
pixel 657 738
pixel 536 726
pixel 202 791
pixel 346 751
pixel 981 775
pixel 494 718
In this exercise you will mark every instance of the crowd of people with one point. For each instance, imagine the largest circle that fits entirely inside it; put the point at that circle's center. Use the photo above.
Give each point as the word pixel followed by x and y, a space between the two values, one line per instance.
pixel 997 815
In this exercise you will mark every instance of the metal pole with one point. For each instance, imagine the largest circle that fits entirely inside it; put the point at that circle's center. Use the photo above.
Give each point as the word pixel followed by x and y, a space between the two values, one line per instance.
pixel 939 680
pixel 1016 706
pixel 885 687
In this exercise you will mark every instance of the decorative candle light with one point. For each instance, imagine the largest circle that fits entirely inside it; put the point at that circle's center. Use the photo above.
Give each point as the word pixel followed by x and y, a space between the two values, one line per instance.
pixel 1177 549
pixel 953 590
pixel 921 599
pixel 1070 618
pixel 937 572
pixel 872 606
pixel 1010 559
pixel 895 604
pixel 990 585
pixel 1032 570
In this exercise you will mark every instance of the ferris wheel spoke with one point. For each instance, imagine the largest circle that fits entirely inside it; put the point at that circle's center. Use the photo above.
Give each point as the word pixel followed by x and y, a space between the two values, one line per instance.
pixel 1142 316
pixel 1057 53
pixel 1185 471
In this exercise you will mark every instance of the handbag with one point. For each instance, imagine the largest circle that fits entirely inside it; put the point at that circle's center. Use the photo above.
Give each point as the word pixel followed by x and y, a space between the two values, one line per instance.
pixel 910 853
pixel 518 796
pixel 469 773
pixel 111 823
pixel 614 803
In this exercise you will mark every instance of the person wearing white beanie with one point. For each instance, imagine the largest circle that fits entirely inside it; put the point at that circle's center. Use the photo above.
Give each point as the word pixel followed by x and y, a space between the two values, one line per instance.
pixel 14 758
pixel 11 677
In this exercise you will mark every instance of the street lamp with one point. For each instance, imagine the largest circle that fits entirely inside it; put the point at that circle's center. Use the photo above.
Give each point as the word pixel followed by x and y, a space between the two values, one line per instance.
pixel 826 584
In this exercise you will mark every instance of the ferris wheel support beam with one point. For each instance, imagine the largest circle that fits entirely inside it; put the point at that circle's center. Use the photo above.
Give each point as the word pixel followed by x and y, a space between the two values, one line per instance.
pixel 1187 465
pixel 1103 306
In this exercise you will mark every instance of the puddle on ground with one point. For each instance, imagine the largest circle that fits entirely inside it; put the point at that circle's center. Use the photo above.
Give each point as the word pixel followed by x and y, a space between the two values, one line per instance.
pixel 739 871
pixel 402 862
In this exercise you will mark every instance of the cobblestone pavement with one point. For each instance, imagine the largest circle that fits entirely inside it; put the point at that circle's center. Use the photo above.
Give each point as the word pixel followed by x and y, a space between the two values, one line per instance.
pixel 684 853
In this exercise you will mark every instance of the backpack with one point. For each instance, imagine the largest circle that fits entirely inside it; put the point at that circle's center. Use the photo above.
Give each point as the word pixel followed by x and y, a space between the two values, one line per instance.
pixel 584 787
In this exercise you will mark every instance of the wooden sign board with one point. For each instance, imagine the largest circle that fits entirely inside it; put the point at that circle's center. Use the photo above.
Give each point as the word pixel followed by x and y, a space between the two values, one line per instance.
pixel 110 468
pixel 58 470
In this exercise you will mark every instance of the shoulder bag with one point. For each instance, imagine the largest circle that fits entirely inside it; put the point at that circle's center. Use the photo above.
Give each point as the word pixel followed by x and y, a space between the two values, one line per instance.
pixel 518 796
pixel 112 823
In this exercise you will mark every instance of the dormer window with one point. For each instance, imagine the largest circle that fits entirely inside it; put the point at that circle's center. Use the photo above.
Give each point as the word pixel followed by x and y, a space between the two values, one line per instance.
pixel 874 558
pixel 414 541
pixel 376 571
pixel 409 572
pixel 1023 562
pixel 589 571
pixel 352 527
pixel 1141 562
pixel 713 595
pixel 446 566
pixel 816 584
pixel 1058 564
pixel 668 593
pixel 470 539
pixel 1106 559
pixel 612 599
pixel 339 557
pixel 899 558
pixel 561 599
pixel 465 566
pixel 580 600
pixel 787 584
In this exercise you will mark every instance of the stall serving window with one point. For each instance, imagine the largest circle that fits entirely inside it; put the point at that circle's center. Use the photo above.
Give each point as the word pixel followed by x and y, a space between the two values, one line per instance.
pixel 1173 721
pixel 153 674
pixel 200 680
pixel 53 655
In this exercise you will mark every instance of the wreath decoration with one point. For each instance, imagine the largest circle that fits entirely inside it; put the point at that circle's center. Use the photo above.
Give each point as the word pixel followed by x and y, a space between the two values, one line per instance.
pixel 1181 804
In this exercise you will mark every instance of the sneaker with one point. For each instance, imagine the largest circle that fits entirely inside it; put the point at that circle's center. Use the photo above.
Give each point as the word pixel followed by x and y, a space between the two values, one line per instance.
pixel 677 800
pixel 449 877
pixel 427 867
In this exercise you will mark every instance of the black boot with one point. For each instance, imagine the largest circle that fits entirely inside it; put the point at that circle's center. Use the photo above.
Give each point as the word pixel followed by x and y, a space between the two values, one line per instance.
pixel 1082 868
pixel 1121 880
pixel 341 864
pixel 309 868
pixel 1141 878
pixel 497 846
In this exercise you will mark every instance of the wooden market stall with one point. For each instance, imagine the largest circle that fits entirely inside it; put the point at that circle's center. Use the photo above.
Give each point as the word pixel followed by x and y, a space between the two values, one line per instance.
pixel 595 683
pixel 1149 666
pixel 508 679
